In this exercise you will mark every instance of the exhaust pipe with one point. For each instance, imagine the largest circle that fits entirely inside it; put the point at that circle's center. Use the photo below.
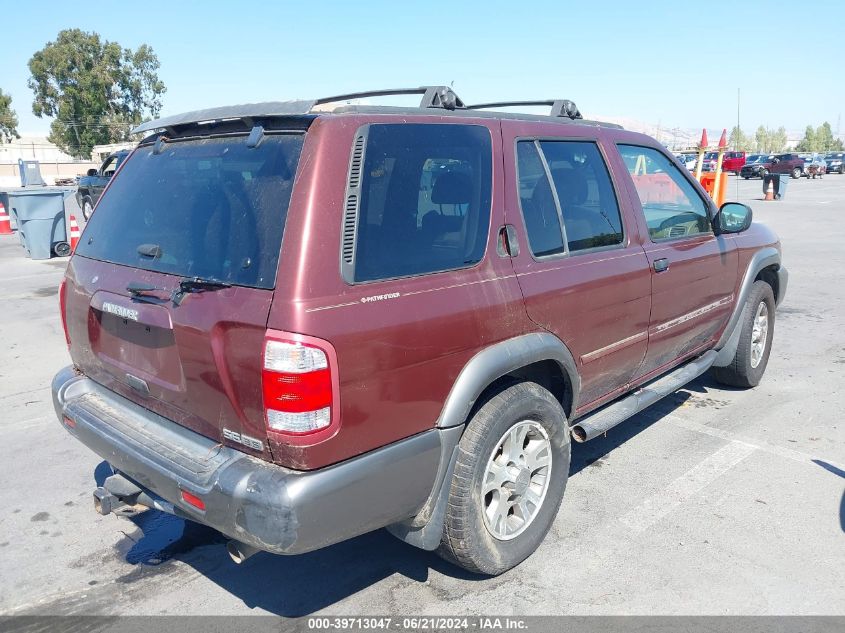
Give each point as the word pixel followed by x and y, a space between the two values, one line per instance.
pixel 239 552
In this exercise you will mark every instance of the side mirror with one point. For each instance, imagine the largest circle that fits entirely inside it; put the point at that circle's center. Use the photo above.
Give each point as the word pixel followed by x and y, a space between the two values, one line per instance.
pixel 91 172
pixel 733 217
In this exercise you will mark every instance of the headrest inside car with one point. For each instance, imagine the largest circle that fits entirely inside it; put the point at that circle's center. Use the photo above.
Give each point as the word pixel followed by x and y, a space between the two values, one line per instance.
pixel 452 188
pixel 571 186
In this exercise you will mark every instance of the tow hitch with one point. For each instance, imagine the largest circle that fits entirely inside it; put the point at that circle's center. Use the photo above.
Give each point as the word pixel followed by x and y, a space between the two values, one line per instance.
pixel 121 496
pixel 105 502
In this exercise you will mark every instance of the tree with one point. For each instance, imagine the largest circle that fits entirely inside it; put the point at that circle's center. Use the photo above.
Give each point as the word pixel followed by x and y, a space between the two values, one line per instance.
pixel 739 141
pixel 8 119
pixel 825 140
pixel 778 139
pixel 810 142
pixel 95 89
pixel 761 136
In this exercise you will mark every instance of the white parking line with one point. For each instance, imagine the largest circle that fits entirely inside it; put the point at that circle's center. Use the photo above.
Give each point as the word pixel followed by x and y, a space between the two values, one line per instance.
pixel 768 447
pixel 686 486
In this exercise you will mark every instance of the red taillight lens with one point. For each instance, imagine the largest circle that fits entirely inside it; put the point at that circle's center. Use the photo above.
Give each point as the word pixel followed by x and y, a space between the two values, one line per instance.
pixel 192 499
pixel 297 386
pixel 63 309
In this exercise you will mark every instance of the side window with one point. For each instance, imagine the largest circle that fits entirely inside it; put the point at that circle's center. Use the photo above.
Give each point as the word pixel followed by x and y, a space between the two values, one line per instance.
pixel 671 205
pixel 425 201
pixel 585 193
pixel 539 210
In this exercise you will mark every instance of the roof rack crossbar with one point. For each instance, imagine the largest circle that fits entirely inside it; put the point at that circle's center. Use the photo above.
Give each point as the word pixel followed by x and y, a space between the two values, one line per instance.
pixel 560 107
pixel 432 96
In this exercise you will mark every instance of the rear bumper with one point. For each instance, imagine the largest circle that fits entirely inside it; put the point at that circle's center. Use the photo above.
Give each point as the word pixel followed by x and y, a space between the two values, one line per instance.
pixel 264 505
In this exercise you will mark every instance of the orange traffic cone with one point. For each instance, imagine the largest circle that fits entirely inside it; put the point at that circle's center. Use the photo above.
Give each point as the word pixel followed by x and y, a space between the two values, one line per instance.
pixel 5 221
pixel 770 192
pixel 74 233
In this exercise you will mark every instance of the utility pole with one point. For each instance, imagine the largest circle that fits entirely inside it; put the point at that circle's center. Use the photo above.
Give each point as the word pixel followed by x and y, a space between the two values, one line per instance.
pixel 738 132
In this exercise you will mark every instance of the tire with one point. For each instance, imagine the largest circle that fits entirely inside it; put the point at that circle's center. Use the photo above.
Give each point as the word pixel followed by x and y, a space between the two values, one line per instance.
pixel 61 249
pixel 742 371
pixel 746 177
pixel 796 173
pixel 87 208
pixel 764 173
pixel 476 536
pixel 841 169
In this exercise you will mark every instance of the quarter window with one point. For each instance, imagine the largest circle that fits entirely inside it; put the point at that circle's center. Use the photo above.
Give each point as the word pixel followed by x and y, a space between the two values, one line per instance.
pixel 671 205
pixel 425 204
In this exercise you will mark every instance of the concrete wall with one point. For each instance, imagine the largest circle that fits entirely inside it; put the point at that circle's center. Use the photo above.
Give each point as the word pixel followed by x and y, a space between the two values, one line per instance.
pixel 10 174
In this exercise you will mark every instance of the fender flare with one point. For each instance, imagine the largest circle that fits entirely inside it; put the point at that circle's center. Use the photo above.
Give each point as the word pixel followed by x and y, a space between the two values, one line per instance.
pixel 426 528
pixel 498 360
pixel 729 340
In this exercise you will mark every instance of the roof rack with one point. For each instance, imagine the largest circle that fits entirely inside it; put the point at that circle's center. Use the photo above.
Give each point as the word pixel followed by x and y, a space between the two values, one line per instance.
pixel 432 96
pixel 560 107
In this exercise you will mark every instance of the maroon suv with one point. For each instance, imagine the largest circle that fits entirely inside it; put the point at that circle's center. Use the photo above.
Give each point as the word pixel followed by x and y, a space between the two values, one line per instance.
pixel 792 164
pixel 297 324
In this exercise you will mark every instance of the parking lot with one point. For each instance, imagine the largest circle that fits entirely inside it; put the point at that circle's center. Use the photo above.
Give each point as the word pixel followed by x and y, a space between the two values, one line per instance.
pixel 714 501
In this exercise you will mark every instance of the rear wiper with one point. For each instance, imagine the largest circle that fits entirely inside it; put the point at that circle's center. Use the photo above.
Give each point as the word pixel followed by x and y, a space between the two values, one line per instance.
pixel 196 284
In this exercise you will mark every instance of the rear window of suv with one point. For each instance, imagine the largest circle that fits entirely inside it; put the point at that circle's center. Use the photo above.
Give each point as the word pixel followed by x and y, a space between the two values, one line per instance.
pixel 212 208
pixel 425 199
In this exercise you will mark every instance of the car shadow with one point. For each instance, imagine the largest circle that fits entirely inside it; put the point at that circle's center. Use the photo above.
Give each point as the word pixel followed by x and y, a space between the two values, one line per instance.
pixel 841 473
pixel 296 586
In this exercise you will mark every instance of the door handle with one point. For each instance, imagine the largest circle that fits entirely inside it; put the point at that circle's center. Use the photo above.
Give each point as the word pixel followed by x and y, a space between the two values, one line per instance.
pixel 660 265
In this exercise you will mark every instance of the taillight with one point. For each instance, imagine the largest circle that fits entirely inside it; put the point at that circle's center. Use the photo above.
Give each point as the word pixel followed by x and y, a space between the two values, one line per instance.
pixel 63 309
pixel 298 384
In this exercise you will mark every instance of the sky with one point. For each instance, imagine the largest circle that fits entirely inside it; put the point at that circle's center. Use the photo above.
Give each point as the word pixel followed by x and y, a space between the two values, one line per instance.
pixel 676 64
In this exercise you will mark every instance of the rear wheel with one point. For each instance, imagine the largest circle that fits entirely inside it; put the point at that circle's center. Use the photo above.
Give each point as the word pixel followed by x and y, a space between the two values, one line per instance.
pixel 510 476
pixel 87 208
pixel 61 249
pixel 796 173
pixel 755 340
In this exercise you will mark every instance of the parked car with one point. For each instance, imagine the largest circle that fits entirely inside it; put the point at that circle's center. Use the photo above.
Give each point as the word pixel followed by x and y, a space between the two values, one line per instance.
pixel 688 161
pixel 756 166
pixel 815 166
pixel 790 163
pixel 91 185
pixel 458 294
pixel 835 162
pixel 732 162
pixel 708 162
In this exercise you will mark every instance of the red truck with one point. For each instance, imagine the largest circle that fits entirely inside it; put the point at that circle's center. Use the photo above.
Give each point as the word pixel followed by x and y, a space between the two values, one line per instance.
pixel 732 162
pixel 297 323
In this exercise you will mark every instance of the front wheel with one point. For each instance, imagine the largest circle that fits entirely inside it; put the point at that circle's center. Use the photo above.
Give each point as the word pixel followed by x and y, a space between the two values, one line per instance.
pixel 796 173
pixel 510 475
pixel 755 340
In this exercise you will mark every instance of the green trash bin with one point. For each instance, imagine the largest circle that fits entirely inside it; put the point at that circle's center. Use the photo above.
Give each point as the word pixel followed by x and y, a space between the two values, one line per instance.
pixel 40 217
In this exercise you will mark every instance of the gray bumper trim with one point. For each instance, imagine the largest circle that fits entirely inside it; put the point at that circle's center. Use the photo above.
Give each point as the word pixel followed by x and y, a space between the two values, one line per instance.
pixel 272 508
